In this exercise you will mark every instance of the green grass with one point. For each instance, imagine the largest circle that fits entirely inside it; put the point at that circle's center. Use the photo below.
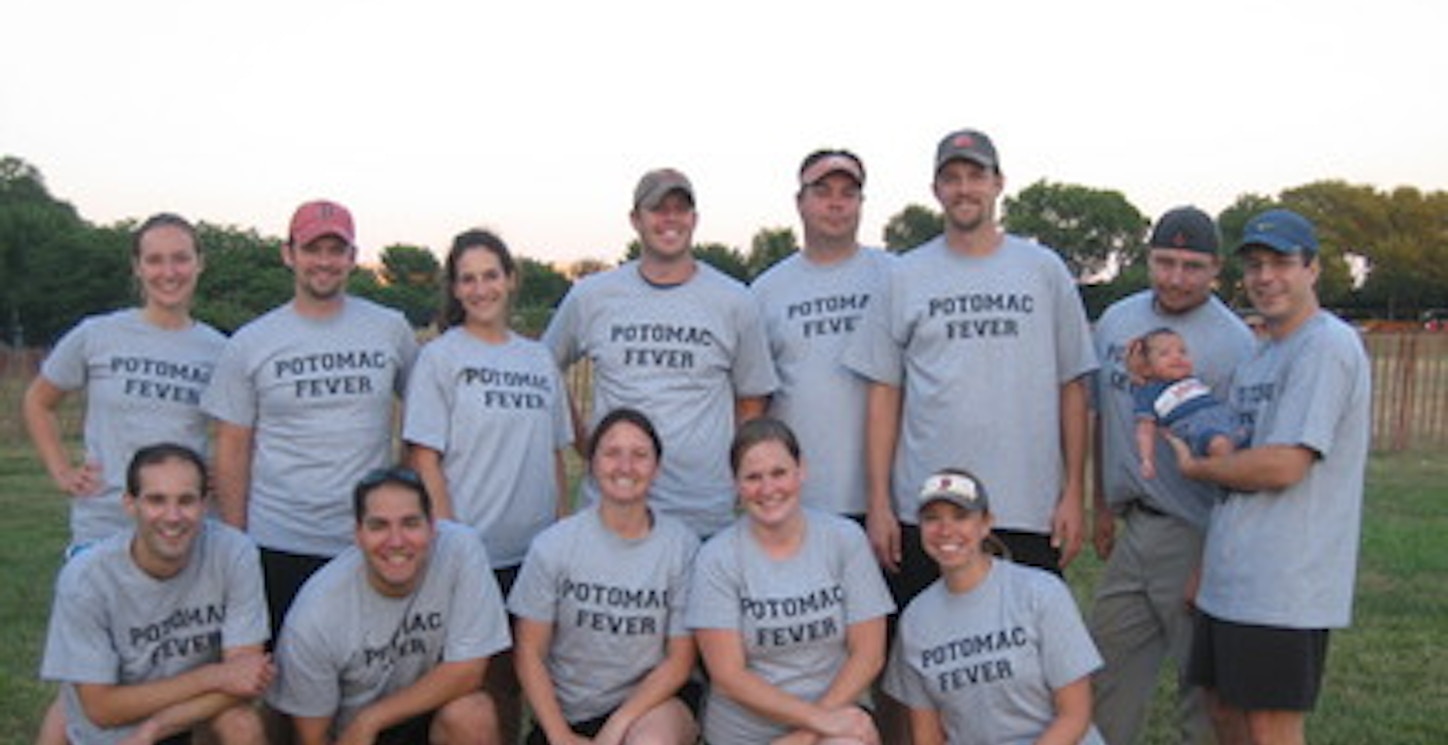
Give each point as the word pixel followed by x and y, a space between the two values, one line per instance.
pixel 1387 679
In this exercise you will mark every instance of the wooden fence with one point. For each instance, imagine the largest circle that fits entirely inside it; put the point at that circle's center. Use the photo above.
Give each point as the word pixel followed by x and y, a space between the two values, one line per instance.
pixel 1410 391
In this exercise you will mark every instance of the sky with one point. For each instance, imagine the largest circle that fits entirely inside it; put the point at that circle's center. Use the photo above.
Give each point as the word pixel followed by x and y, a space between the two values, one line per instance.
pixel 536 117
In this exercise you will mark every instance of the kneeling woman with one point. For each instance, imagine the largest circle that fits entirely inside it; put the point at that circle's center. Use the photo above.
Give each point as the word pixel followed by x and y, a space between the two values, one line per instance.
pixel 788 607
pixel 600 644
pixel 993 651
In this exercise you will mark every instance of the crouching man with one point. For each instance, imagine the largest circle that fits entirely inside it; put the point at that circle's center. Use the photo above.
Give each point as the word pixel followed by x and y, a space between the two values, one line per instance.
pixel 389 641
pixel 159 630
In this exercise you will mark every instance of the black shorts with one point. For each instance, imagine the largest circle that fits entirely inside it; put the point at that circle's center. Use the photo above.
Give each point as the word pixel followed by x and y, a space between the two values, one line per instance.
pixel 1031 549
pixel 1257 668
pixel 505 577
pixel 411 732
pixel 283 574
pixel 691 694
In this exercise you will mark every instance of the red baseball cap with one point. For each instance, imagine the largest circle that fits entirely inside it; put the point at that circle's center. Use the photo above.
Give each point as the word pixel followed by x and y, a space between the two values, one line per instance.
pixel 316 219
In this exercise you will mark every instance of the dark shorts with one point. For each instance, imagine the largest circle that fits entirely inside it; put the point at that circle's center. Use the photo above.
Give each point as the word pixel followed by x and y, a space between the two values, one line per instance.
pixel 505 577
pixel 411 732
pixel 692 694
pixel 283 574
pixel 1031 549
pixel 1256 668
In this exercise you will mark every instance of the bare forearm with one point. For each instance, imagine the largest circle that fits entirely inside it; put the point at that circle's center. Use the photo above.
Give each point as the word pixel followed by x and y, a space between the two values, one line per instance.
pixel 1264 468
pixel 882 432
pixel 866 658
pixel 183 716
pixel 233 472
pixel 750 407
pixel 661 683
pixel 428 464
pixel 1074 419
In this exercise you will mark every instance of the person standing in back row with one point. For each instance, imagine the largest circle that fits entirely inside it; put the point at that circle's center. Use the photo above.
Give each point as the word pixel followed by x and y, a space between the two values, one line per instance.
pixel 304 400
pixel 812 303
pixel 977 357
pixel 1281 551
pixel 676 339
pixel 1141 615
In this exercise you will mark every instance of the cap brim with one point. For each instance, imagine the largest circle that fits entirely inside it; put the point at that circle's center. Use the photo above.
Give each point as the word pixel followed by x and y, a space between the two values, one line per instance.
pixel 1272 243
pixel 979 160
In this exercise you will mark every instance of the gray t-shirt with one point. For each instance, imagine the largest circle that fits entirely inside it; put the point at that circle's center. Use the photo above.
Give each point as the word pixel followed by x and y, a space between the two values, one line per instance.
pixel 613 604
pixel 319 395
pixel 1289 558
pixel 792 615
pixel 810 311
pixel 980 347
pixel 345 646
pixel 681 354
pixel 498 413
pixel 142 386
pixel 990 660
pixel 114 624
pixel 1218 341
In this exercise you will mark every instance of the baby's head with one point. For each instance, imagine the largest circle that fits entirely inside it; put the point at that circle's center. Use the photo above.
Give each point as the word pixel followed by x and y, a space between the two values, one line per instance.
pixel 1159 354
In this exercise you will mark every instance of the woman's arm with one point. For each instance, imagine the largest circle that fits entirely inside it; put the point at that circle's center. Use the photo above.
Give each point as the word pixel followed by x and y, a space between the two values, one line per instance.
pixel 723 652
pixel 42 400
pixel 1073 714
pixel 531 641
pixel 428 464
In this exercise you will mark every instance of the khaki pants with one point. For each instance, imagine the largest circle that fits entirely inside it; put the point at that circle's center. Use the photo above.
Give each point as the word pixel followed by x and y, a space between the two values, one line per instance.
pixel 1140 619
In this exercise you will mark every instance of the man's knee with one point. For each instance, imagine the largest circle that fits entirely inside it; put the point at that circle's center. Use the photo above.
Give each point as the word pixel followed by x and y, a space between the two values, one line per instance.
pixel 471 718
pixel 239 725
pixel 1277 727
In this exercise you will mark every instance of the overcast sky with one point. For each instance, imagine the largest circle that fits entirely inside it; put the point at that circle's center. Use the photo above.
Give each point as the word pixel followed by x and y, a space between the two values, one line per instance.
pixel 536 118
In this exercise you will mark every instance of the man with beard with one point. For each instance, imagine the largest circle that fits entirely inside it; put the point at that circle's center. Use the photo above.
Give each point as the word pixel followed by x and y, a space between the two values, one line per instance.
pixel 977 354
pixel 303 397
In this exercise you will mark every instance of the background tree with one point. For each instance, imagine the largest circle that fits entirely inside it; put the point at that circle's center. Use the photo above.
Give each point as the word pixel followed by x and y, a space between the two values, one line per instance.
pixel 39 233
pixel 580 268
pixel 1097 231
pixel 407 280
pixel 543 286
pixel 1231 222
pixel 244 276
pixel 911 227
pixel 723 258
pixel 768 247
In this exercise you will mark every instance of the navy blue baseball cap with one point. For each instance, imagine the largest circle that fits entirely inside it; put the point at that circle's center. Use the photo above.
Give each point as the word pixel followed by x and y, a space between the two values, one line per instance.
pixel 1283 231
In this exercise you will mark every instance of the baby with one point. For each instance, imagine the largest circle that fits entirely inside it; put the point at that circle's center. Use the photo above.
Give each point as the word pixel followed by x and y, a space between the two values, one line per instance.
pixel 1166 393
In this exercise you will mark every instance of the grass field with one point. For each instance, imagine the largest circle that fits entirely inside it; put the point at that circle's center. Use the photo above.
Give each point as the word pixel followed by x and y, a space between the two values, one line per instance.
pixel 1387 680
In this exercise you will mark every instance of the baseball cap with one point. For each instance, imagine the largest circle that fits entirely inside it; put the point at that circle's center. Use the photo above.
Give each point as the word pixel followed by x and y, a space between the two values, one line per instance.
pixel 831 162
pixel 1188 228
pixel 1283 231
pixel 969 144
pixel 656 184
pixel 956 487
pixel 316 219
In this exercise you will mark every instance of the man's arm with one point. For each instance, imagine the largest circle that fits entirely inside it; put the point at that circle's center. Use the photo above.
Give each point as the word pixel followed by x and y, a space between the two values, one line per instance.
pixel 442 684
pixel 882 432
pixel 197 695
pixel 1069 516
pixel 1146 446
pixel 1264 468
pixel 233 471
pixel 185 715
pixel 749 407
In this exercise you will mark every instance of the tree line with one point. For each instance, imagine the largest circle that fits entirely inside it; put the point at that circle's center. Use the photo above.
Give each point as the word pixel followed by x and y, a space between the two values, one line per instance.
pixel 1385 255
